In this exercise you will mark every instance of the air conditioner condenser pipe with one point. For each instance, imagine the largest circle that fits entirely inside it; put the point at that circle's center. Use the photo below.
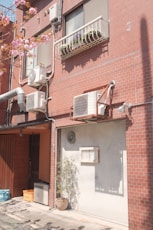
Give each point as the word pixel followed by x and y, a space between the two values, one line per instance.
pixel 111 86
pixel 19 92
pixel 102 106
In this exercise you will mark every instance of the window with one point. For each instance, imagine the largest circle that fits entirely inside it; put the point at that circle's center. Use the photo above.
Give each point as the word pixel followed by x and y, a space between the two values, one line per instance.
pixel 85 27
pixel 74 20
pixel 41 56
pixel 82 15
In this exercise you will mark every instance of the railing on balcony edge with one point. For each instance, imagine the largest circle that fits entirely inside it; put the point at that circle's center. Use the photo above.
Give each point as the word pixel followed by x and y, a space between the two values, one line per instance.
pixel 87 36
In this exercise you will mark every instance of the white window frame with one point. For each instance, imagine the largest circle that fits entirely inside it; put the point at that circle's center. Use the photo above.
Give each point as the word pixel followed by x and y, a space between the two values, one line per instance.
pixel 32 62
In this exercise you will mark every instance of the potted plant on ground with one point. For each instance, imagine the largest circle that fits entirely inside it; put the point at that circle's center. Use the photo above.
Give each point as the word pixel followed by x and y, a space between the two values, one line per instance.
pixel 66 184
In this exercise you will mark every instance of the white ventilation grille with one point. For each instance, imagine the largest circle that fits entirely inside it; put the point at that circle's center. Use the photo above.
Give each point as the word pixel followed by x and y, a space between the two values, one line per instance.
pixel 35 102
pixel 41 193
pixel 86 105
pixel 81 105
pixel 37 76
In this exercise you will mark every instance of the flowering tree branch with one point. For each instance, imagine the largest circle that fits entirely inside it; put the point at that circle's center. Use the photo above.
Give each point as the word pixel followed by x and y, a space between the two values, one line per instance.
pixel 31 11
pixel 20 45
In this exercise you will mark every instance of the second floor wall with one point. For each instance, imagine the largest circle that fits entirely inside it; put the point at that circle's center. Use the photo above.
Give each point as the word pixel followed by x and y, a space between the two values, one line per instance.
pixel 125 55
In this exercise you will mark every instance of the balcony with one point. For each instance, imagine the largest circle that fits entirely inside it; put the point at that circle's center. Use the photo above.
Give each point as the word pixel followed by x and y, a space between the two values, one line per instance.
pixel 87 36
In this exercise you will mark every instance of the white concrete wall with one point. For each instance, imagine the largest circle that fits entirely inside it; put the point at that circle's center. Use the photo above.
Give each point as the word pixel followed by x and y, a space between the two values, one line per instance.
pixel 102 187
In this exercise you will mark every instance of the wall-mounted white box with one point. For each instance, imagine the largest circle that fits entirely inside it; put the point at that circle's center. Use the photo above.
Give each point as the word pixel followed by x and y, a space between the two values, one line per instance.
pixel 53 13
pixel 89 154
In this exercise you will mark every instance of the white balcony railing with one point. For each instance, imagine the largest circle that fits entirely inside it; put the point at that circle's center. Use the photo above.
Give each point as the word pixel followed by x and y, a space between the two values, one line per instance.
pixel 85 37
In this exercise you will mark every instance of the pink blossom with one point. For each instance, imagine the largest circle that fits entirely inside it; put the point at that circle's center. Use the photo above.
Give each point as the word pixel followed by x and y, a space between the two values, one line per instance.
pixel 21 46
pixel 32 11
pixel 26 41
pixel 1 72
pixel 19 2
pixel 33 45
pixel 21 53
pixel 45 37
pixel 16 43
pixel 14 53
pixel 4 20
pixel 26 47
pixel 16 2
pixel 7 20
pixel 22 2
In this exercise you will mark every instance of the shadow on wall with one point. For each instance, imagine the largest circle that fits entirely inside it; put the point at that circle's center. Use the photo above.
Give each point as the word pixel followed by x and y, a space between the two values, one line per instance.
pixel 147 86
pixel 109 174
pixel 93 54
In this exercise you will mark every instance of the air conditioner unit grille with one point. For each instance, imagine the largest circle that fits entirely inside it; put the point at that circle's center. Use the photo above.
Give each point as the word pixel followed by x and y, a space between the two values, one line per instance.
pixel 85 105
pixel 81 105
pixel 41 193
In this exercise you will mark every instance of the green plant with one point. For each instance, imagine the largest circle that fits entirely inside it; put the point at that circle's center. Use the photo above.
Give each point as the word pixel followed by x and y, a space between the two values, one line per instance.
pixel 66 180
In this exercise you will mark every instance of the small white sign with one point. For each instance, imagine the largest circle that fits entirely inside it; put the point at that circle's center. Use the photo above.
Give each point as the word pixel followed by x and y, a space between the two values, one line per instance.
pixel 89 154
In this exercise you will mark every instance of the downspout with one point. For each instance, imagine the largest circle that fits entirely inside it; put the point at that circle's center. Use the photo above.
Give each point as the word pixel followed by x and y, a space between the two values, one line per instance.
pixel 60 6
pixel 10 87
pixel 18 91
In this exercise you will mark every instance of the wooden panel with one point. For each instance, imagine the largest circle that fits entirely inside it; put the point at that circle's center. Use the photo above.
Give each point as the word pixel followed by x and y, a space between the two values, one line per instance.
pixel 14 152
pixel 44 157
pixel 33 160
pixel 21 161
pixel 7 148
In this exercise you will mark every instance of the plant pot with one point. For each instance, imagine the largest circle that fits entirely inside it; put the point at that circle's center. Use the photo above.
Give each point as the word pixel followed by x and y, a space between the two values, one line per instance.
pixel 61 203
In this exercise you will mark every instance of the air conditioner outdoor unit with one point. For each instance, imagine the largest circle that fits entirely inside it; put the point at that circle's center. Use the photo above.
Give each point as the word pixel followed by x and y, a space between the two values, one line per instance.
pixel 41 191
pixel 86 105
pixel 37 76
pixel 36 102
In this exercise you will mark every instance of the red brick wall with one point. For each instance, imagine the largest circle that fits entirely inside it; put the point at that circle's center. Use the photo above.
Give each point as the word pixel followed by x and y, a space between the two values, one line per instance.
pixel 128 60
pixel 4 78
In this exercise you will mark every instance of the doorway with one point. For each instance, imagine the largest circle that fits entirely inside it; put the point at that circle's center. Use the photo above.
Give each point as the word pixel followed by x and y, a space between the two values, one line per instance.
pixel 34 143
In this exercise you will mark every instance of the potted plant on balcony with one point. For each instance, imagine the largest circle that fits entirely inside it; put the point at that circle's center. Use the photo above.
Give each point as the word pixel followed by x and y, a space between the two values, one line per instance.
pixel 92 36
pixel 65 49
pixel 66 184
pixel 77 41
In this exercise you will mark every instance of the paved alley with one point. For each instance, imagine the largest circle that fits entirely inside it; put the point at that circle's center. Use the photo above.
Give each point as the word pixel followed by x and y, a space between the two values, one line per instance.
pixel 19 214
